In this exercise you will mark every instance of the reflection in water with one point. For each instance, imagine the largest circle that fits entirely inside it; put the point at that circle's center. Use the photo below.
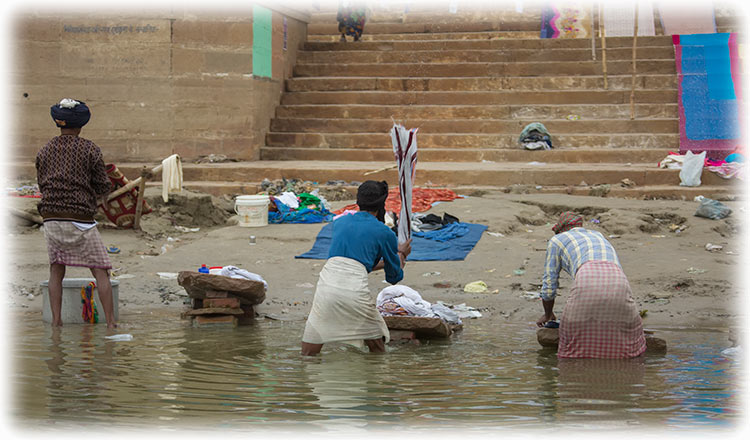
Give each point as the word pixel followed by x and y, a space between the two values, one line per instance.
pixel 174 376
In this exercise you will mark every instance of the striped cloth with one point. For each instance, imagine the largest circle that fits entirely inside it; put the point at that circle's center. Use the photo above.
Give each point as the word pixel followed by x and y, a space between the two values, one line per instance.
pixel 71 246
pixel 405 151
pixel 600 319
pixel 568 251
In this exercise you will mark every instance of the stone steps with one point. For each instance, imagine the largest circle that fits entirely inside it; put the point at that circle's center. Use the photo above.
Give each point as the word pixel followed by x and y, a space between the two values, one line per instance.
pixel 505 97
pixel 490 35
pixel 461 141
pixel 517 154
pixel 452 84
pixel 479 69
pixel 471 126
pixel 497 44
pixel 482 56
pixel 522 111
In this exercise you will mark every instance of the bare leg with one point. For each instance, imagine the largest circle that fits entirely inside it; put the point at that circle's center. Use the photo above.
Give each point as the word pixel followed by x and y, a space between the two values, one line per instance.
pixel 309 349
pixel 375 345
pixel 105 295
pixel 55 287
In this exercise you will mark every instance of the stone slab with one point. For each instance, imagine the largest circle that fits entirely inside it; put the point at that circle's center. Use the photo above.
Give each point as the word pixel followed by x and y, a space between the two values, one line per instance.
pixel 215 311
pixel 196 284
pixel 549 337
pixel 422 326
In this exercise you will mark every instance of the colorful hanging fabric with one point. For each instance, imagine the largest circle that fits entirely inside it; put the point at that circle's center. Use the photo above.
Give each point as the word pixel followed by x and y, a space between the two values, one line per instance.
pixel 405 152
pixel 88 311
pixel 709 71
pixel 566 19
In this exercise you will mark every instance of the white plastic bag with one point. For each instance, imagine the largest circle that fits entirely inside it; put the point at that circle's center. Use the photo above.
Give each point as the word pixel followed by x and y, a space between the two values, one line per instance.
pixel 692 167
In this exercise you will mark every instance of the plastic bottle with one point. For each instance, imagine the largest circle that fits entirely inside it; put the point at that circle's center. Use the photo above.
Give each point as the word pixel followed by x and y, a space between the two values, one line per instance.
pixel 203 269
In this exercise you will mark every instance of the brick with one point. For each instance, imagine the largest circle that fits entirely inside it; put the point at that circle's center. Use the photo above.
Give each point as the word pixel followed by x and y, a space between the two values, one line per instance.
pixel 233 303
pixel 215 321
pixel 216 294
pixel 215 311
pixel 397 335
pixel 248 317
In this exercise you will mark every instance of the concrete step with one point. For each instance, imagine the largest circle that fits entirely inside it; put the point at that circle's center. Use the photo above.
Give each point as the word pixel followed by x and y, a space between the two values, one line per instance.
pixel 529 113
pixel 461 141
pixel 419 12
pixel 556 155
pixel 527 98
pixel 490 35
pixel 617 82
pixel 483 69
pixel 673 192
pixel 244 177
pixel 498 44
pixel 436 173
pixel 472 126
pixel 482 55
pixel 331 28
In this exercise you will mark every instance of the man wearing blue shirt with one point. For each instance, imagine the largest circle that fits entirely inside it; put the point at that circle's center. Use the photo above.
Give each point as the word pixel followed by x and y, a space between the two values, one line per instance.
pixel 343 309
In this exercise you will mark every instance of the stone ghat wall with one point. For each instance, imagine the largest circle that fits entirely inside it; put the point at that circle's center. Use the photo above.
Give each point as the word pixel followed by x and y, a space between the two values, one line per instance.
pixel 158 83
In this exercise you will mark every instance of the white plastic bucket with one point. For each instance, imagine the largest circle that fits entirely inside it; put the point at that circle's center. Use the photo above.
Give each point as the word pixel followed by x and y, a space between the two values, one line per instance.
pixel 253 210
pixel 71 300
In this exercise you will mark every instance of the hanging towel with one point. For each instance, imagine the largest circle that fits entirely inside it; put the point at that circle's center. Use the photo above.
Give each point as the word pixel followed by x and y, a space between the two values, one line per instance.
pixel 171 176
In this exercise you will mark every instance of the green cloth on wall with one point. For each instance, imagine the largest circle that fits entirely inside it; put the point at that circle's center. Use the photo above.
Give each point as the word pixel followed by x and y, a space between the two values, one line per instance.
pixel 262 48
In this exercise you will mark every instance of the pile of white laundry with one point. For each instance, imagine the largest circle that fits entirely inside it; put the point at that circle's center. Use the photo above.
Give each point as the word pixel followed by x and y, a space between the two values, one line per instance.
pixel 405 301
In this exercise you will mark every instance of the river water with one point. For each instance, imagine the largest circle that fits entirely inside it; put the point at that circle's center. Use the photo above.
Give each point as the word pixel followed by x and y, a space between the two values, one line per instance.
pixel 492 375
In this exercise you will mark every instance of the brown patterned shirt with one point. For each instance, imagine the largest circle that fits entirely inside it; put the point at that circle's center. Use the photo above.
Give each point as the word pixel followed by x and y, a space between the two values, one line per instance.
pixel 71 175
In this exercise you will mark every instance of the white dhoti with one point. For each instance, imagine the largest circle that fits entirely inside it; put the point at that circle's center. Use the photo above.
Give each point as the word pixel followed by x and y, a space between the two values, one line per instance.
pixel 343 309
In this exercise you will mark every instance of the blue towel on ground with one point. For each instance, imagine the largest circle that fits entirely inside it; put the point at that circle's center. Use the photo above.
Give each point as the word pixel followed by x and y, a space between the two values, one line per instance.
pixel 422 249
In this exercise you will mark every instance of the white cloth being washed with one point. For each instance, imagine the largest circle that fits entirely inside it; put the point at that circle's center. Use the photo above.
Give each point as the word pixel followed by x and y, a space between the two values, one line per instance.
pixel 236 272
pixel 171 176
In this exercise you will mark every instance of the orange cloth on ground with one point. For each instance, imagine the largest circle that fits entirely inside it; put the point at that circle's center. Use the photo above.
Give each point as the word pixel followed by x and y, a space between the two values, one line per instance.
pixel 422 200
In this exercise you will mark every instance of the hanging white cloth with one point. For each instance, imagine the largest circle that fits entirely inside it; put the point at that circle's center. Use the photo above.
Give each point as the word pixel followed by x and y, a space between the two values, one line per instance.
pixel 171 176
pixel 619 19
pixel 405 152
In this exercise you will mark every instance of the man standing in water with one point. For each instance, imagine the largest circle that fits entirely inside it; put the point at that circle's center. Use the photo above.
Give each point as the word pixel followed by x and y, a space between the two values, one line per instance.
pixel 600 318
pixel 71 176
pixel 343 309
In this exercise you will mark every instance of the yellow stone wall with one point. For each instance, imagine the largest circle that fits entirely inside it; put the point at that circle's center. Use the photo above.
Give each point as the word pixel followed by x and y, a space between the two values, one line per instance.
pixel 158 83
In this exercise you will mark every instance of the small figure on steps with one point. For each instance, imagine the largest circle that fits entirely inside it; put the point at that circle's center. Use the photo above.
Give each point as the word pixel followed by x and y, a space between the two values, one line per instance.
pixel 351 16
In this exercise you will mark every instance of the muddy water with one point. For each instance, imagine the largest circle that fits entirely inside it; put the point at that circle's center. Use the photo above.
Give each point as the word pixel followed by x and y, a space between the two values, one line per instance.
pixel 493 375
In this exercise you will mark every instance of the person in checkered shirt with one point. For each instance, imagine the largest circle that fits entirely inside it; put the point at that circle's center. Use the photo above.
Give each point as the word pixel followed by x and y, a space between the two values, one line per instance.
pixel 600 318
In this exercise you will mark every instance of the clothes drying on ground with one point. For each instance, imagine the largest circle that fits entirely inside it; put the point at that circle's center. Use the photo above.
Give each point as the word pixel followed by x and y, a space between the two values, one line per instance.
pixel 535 136
pixel 422 199
pixel 447 232
pixel 422 249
